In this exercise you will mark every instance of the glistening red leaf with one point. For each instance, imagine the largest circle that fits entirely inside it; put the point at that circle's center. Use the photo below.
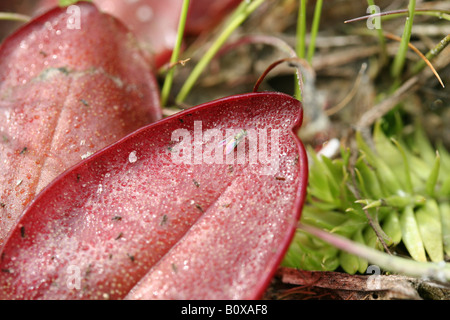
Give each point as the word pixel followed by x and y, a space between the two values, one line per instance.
pixel 155 22
pixel 67 90
pixel 155 216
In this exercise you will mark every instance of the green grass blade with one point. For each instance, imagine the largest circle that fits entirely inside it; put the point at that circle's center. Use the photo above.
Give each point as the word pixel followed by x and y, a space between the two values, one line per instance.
pixel 399 60
pixel 381 39
pixel 240 15
pixel 301 41
pixel 314 30
pixel 14 17
pixel 175 54
pixel 409 267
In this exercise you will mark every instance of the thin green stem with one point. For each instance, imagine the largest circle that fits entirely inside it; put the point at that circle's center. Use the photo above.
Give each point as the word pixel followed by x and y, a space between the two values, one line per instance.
pixel 301 29
pixel 399 60
pixel 238 17
pixel 238 11
pixel 165 92
pixel 436 13
pixel 441 14
pixel 14 17
pixel 66 3
pixel 409 267
pixel 381 39
pixel 301 41
pixel 431 54
pixel 314 30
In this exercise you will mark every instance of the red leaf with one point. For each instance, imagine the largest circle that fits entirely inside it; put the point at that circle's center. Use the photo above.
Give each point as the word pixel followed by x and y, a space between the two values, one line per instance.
pixel 155 22
pixel 66 92
pixel 131 222
pixel 206 14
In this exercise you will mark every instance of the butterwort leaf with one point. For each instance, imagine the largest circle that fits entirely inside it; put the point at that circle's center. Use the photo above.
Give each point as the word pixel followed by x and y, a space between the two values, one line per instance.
pixel 166 212
pixel 71 83
pixel 155 22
